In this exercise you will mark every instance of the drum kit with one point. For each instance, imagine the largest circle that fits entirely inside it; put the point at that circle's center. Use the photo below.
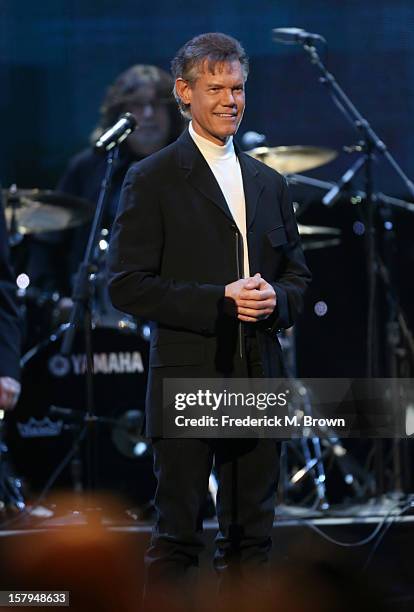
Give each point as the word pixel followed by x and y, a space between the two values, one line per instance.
pixel 42 433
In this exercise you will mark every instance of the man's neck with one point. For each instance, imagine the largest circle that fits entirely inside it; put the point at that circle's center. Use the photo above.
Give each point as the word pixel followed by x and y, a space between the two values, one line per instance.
pixel 207 145
pixel 218 142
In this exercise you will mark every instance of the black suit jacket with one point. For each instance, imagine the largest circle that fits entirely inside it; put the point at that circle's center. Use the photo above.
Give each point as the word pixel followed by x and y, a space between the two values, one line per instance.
pixel 175 246
pixel 9 320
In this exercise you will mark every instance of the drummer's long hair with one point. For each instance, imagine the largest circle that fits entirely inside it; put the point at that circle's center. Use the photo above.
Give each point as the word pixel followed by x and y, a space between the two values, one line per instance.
pixel 125 90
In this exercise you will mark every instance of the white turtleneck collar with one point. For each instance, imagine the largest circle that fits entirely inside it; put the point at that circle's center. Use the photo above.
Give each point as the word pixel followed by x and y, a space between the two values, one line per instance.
pixel 209 149
pixel 225 166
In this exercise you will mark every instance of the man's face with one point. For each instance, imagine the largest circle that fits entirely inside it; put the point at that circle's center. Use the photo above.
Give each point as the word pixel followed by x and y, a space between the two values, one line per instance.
pixel 216 100
pixel 153 121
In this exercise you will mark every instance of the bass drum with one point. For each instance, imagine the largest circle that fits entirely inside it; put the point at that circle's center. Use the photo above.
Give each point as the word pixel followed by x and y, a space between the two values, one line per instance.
pixel 41 431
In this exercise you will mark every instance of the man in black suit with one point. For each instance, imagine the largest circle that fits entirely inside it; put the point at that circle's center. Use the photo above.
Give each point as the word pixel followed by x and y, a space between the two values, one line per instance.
pixel 9 327
pixel 205 244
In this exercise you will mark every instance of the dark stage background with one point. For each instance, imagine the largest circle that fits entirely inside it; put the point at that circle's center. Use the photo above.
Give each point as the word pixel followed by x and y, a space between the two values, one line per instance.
pixel 58 56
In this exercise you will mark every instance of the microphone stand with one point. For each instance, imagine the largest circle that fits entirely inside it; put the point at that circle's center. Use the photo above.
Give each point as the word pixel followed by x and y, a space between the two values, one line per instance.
pixel 354 116
pixel 371 144
pixel 81 314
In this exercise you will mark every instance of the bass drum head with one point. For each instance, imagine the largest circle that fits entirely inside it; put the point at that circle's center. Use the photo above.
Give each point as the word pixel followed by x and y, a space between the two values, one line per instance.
pixel 41 431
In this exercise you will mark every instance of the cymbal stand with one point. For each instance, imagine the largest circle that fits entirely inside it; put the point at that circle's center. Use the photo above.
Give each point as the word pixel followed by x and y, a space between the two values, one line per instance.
pixel 313 465
pixel 308 450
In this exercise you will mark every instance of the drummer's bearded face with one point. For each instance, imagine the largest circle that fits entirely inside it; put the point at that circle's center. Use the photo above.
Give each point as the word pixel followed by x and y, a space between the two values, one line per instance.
pixel 153 122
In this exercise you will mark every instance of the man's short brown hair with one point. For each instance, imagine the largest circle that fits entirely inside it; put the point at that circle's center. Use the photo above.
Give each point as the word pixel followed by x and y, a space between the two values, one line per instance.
pixel 213 48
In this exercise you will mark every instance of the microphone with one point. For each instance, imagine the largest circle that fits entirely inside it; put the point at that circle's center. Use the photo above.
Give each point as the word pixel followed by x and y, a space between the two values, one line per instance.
pixel 117 133
pixel 293 36
pixel 251 140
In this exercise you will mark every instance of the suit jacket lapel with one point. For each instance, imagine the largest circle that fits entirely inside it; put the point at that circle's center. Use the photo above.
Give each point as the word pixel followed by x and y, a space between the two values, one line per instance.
pixel 252 184
pixel 198 172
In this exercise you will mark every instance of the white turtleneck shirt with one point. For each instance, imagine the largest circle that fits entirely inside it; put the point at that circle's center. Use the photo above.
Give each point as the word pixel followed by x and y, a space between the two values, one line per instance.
pixel 225 166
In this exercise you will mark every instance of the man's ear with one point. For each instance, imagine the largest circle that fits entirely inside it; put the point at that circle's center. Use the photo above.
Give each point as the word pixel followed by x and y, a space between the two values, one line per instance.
pixel 183 90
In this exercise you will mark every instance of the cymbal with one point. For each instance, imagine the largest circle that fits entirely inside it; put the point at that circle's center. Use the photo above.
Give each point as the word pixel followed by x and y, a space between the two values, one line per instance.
pixel 311 245
pixel 36 210
pixel 293 159
pixel 310 233
pixel 311 230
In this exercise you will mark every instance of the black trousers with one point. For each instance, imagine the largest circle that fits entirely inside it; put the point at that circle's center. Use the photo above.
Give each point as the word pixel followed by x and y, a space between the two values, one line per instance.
pixel 182 468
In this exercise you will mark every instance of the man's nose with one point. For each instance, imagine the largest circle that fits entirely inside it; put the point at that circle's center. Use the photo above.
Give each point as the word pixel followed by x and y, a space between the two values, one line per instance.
pixel 228 98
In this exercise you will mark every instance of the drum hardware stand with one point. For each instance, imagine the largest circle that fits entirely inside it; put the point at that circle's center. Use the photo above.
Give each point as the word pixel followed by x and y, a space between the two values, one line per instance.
pixel 382 198
pixel 312 465
pixel 310 452
pixel 371 144
pixel 353 474
pixel 11 497
pixel 77 418
pixel 76 461
pixel 313 456
pixel 315 466
pixel 400 349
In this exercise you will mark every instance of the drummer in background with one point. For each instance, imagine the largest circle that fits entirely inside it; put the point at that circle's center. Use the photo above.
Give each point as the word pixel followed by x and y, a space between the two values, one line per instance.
pixel 146 92
pixel 9 326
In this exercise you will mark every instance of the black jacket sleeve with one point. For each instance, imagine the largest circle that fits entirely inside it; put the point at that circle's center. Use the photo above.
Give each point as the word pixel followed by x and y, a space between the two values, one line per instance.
pixel 290 287
pixel 135 255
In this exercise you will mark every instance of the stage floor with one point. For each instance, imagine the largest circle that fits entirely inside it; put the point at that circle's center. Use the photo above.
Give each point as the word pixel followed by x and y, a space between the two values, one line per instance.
pixel 299 537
